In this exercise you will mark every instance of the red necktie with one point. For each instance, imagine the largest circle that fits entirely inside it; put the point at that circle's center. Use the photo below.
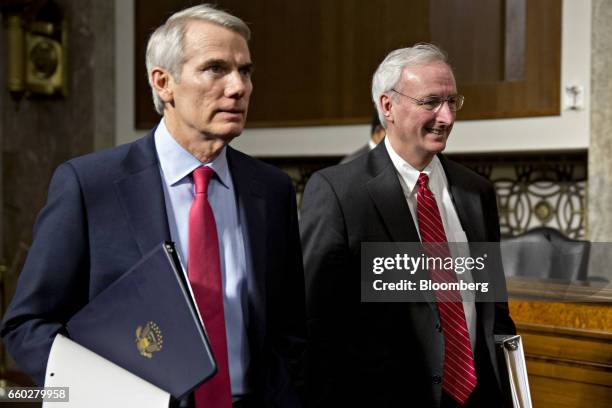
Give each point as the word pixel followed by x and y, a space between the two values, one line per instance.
pixel 204 271
pixel 459 371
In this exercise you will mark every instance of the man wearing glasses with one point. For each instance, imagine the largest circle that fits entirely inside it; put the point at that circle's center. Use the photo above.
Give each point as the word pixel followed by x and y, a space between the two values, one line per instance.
pixel 437 354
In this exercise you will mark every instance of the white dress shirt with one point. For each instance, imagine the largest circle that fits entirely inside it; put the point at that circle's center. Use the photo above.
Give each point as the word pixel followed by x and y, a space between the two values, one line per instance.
pixel 176 166
pixel 438 184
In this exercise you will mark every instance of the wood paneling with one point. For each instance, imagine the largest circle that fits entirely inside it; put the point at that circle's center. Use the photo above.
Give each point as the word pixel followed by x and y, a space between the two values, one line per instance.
pixel 476 51
pixel 576 315
pixel 555 393
pixel 568 346
pixel 314 59
pixel 539 93
pixel 568 369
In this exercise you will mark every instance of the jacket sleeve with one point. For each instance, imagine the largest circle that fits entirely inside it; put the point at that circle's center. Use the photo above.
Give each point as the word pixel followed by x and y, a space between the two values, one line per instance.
pixel 287 319
pixel 53 284
pixel 503 321
pixel 326 257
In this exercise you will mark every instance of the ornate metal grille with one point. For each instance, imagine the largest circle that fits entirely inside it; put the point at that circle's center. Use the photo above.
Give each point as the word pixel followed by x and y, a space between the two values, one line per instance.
pixel 532 191
pixel 538 191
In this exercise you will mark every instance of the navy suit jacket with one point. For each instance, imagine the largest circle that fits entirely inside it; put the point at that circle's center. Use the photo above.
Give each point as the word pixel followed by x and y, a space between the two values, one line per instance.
pixel 382 354
pixel 106 210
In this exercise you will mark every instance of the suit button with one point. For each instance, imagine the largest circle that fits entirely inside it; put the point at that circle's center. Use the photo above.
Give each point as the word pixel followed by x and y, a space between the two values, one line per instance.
pixel 437 379
pixel 439 328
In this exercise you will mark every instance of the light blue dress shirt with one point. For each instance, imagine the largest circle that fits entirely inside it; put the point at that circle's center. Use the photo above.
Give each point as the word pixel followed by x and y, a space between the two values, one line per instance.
pixel 176 166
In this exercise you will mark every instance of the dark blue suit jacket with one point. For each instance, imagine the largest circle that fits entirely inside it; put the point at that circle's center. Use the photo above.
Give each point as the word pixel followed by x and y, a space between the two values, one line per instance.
pixel 106 210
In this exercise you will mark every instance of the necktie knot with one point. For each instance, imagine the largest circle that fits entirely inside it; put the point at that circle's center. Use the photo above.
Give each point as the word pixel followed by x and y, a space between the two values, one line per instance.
pixel 201 178
pixel 423 180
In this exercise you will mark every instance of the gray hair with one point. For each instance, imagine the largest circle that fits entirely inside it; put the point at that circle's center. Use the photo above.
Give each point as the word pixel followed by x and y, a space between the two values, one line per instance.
pixel 389 71
pixel 166 48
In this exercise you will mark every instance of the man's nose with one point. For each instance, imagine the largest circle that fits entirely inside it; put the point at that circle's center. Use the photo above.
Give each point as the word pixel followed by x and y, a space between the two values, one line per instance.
pixel 237 85
pixel 445 114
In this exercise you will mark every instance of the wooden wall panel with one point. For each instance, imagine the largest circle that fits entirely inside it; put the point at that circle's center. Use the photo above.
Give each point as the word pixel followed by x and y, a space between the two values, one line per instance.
pixel 314 59
pixel 568 345
pixel 555 393
pixel 470 45
pixel 568 368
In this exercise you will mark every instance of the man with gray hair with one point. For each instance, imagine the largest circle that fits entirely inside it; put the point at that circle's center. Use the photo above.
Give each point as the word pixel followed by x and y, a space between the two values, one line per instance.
pixel 421 354
pixel 233 220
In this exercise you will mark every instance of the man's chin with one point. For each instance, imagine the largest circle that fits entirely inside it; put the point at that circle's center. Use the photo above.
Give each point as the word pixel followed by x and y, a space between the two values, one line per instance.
pixel 436 147
pixel 229 132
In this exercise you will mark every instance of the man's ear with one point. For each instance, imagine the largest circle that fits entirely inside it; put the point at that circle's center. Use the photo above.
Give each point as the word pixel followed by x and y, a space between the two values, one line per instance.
pixel 386 103
pixel 163 83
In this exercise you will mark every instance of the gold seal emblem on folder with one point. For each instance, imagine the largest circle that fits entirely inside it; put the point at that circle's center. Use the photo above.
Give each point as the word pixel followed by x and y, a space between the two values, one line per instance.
pixel 148 339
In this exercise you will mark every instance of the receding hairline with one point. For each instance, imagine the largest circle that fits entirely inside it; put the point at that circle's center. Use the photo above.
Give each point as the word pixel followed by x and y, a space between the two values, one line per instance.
pixel 190 20
pixel 421 64
pixel 196 21
pixel 406 70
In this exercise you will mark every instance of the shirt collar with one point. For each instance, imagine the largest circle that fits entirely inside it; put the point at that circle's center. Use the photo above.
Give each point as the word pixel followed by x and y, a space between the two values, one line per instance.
pixel 177 163
pixel 409 174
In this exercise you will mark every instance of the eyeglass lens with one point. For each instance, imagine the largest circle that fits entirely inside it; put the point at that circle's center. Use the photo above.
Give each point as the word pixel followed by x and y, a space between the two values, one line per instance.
pixel 454 103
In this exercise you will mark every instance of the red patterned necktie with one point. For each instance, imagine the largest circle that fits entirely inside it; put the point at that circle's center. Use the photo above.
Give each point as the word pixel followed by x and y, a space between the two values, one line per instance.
pixel 204 269
pixel 459 371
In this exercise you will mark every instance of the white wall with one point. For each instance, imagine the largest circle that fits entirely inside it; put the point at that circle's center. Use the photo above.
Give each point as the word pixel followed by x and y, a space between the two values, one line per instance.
pixel 569 131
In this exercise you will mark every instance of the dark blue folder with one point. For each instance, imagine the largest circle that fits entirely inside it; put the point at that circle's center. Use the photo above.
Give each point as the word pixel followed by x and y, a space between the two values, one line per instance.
pixel 147 323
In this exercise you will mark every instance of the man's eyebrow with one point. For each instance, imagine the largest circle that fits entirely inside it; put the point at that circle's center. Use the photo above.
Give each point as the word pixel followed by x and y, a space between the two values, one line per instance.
pixel 215 61
pixel 224 63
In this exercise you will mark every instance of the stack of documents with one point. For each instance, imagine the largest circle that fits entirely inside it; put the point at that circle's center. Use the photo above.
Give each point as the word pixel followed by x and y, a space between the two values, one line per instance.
pixel 94 382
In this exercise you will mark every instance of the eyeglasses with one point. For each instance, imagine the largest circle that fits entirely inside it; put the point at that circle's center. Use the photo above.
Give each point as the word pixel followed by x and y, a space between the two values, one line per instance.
pixel 434 103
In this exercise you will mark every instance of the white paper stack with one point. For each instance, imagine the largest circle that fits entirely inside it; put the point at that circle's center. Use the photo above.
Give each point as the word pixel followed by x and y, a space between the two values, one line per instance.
pixel 96 382
pixel 515 370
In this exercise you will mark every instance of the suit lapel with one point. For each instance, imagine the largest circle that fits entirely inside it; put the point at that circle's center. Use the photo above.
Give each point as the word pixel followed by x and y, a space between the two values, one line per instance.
pixel 141 195
pixel 386 193
pixel 467 202
pixel 250 197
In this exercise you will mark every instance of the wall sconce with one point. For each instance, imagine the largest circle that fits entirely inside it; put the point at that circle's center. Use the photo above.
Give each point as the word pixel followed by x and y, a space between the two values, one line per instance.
pixel 37 51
